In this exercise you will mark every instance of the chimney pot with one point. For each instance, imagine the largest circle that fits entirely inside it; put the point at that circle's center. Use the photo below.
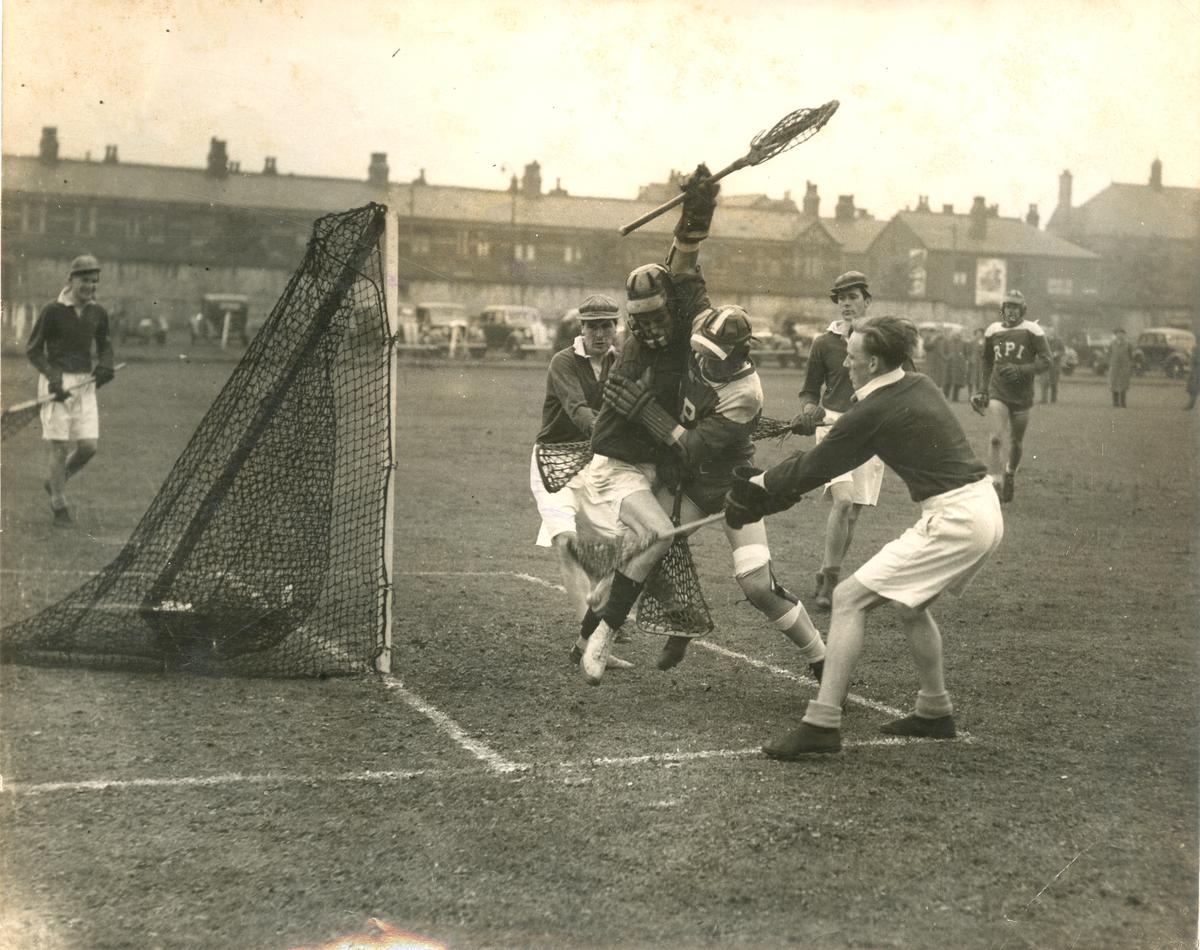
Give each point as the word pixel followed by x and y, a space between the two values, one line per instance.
pixel 110 154
pixel 531 181
pixel 947 209
pixel 812 201
pixel 48 147
pixel 1032 217
pixel 845 208
pixel 269 166
pixel 377 171
pixel 1156 175
pixel 977 228
pixel 218 159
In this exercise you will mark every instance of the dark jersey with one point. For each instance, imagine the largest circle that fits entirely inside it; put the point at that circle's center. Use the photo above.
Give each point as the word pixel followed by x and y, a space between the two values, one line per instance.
pixel 719 417
pixel 61 339
pixel 613 434
pixel 1023 346
pixel 908 424
pixel 827 368
pixel 573 395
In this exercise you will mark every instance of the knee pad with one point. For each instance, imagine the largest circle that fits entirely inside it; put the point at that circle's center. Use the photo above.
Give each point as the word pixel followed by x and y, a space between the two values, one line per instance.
pixel 760 587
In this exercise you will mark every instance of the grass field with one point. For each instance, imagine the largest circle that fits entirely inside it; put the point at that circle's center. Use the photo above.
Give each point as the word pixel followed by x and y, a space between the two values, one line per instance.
pixel 485 796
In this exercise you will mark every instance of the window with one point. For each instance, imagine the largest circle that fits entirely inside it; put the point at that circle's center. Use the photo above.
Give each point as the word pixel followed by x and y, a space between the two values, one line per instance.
pixel 572 254
pixel 420 243
pixel 960 278
pixel 483 249
pixel 524 252
pixel 1060 286
pixel 462 243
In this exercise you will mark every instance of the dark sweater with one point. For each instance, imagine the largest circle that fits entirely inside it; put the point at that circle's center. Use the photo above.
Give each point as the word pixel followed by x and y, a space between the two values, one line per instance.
pixel 573 397
pixel 61 341
pixel 908 424
pixel 827 367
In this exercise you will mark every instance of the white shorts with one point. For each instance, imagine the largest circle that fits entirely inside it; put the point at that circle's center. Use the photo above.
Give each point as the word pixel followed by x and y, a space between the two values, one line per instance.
pixel 77 417
pixel 956 533
pixel 866 480
pixel 606 483
pixel 556 508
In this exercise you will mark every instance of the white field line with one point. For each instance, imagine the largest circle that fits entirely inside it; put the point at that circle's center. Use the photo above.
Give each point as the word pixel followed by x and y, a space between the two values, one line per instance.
pixel 494 760
pixel 389 775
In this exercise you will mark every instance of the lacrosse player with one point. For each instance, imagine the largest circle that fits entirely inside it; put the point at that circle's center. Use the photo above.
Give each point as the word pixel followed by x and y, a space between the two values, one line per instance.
pixel 825 396
pixel 60 349
pixel 903 418
pixel 617 495
pixel 1014 352
pixel 574 392
pixel 722 400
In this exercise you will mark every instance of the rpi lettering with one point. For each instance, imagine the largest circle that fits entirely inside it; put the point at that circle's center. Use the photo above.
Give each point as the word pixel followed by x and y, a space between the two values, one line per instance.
pixel 1008 348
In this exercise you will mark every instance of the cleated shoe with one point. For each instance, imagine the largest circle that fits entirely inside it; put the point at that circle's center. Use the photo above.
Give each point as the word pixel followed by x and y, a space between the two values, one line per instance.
pixel 920 727
pixel 806 740
pixel 595 658
pixel 1009 488
pixel 817 669
pixel 62 518
pixel 614 662
pixel 672 652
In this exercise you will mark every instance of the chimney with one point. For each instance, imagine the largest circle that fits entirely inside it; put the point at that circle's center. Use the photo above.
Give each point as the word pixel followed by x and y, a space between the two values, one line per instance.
pixel 1064 192
pixel 531 181
pixel 1156 175
pixel 110 155
pixel 923 203
pixel 977 229
pixel 812 201
pixel 1031 217
pixel 947 209
pixel 235 167
pixel 218 160
pixel 420 179
pixel 994 211
pixel 48 147
pixel 845 208
pixel 377 171
pixel 559 190
pixel 513 186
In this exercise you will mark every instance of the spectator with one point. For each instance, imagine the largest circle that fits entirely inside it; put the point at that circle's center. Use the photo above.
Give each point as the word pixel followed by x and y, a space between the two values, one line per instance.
pixel 975 348
pixel 1120 367
pixel 1048 381
pixel 954 364
pixel 1193 382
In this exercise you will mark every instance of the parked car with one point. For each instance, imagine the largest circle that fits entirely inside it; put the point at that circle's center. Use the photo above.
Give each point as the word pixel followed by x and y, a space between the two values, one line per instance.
pixel 516 330
pixel 766 345
pixel 1070 361
pixel 143 330
pixel 797 335
pixel 1166 348
pixel 1098 342
pixel 222 317
pixel 443 329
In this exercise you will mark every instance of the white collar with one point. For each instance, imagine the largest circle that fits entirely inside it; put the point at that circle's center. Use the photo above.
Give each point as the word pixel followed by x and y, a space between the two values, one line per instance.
pixel 64 297
pixel 581 350
pixel 840 327
pixel 892 376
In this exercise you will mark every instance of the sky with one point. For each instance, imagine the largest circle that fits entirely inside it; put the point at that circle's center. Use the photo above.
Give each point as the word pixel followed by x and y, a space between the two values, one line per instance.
pixel 948 99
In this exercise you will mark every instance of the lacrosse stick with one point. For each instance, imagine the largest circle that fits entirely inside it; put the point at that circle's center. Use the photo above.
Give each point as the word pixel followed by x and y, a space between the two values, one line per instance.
pixel 787 133
pixel 559 462
pixel 601 558
pixel 15 418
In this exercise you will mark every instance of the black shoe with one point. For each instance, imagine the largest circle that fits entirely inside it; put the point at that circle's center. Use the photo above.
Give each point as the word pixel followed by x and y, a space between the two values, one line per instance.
pixel 1009 488
pixel 806 740
pixel 62 518
pixel 672 652
pixel 816 669
pixel 920 727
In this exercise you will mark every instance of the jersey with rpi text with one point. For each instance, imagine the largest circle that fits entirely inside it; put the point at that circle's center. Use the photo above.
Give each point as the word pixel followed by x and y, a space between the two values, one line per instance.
pixel 719 417
pixel 1023 346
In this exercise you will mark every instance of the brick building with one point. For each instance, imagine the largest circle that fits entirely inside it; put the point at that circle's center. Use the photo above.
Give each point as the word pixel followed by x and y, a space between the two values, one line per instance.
pixel 1149 237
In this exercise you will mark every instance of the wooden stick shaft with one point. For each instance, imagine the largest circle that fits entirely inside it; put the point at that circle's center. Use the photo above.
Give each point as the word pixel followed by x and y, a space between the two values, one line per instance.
pixel 44 399
pixel 678 199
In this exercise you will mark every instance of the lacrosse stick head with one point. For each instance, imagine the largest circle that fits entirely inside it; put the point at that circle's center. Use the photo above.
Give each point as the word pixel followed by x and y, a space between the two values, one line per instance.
pixel 790 131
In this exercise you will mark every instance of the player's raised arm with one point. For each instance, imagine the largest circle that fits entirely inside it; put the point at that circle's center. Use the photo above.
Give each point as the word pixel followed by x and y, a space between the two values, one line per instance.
pixel 699 203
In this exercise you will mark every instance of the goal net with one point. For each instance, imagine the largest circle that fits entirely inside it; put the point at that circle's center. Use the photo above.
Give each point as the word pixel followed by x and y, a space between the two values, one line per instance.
pixel 263 554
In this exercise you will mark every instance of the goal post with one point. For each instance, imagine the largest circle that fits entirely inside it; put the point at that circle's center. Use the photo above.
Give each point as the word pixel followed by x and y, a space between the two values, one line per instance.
pixel 391 259
pixel 267 550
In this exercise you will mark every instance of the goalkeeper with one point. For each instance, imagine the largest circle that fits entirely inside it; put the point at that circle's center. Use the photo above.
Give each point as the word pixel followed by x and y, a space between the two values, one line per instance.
pixel 574 391
pixel 722 400
pixel 617 494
